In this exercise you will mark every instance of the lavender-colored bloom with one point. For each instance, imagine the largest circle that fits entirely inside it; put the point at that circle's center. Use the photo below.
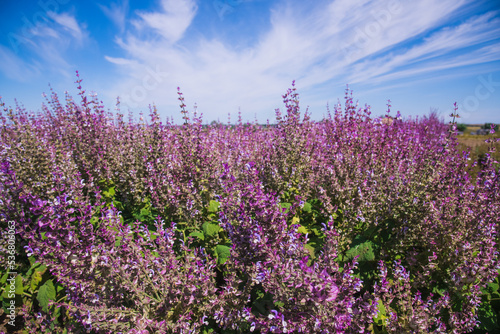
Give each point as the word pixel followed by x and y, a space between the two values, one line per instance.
pixel 398 186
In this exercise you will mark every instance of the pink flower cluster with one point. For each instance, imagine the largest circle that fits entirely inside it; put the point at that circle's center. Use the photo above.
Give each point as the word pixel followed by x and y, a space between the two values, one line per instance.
pixel 349 225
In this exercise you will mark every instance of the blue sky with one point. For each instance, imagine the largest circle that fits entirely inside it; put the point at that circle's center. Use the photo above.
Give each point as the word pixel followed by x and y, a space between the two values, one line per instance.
pixel 242 55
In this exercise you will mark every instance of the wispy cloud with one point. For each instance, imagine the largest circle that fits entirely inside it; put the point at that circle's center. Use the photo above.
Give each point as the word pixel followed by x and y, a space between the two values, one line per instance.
pixel 172 21
pixel 446 48
pixel 43 31
pixel 117 13
pixel 45 48
pixel 482 55
pixel 314 45
pixel 70 24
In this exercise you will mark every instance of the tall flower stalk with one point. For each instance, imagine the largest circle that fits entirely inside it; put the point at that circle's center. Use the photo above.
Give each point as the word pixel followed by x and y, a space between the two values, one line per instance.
pixel 349 225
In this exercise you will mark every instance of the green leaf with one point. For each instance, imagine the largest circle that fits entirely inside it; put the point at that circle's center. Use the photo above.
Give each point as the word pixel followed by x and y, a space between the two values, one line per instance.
pixel 210 229
pixel 213 206
pixel 3 280
pixel 57 314
pixel 381 314
pixel 19 285
pixel 363 250
pixel 279 304
pixel 223 253
pixel 439 290
pixel 109 193
pixel 310 249
pixel 59 288
pixel 118 205
pixel 493 286
pixel 41 269
pixel 316 231
pixel 197 234
pixel 36 278
pixel 488 318
pixel 46 293
pixel 145 212
pixel 307 207
pixel 94 221
pixel 286 206
pixel 303 230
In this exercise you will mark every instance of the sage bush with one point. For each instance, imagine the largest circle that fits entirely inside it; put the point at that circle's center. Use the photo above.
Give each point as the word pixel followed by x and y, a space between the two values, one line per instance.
pixel 354 224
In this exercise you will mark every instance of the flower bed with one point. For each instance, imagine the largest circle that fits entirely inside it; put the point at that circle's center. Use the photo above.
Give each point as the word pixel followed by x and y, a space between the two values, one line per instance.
pixel 348 225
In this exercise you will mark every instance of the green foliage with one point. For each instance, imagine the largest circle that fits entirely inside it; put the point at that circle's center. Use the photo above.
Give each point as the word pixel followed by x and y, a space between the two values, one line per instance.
pixel 461 127
pixel 198 234
pixel 262 302
pixel 488 318
pixel 210 235
pixel 223 252
pixel 367 252
pixel 489 311
pixel 142 211
pixel 379 321
pixel 487 126
pixel 309 219
pixel 35 288
pixel 46 293
pixel 210 229
pixel 213 207
pixel 286 206
pixel 363 250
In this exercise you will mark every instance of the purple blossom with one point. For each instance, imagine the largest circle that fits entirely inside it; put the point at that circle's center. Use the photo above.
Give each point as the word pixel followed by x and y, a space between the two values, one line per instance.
pixel 238 249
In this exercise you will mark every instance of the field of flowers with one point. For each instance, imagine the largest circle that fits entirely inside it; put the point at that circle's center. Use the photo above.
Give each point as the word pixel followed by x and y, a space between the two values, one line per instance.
pixel 349 225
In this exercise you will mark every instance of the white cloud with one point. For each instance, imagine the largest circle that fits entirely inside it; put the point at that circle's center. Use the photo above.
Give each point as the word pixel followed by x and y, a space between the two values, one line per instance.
pixel 44 31
pixel 117 13
pixel 482 55
pixel 347 41
pixel 172 22
pixel 69 23
pixel 428 55
pixel 120 61
pixel 45 48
